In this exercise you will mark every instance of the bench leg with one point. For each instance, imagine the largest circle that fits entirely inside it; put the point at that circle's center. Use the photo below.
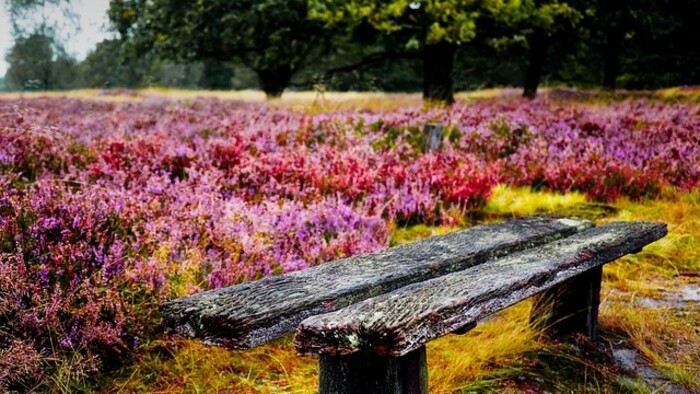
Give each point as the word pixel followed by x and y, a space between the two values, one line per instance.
pixel 362 373
pixel 571 306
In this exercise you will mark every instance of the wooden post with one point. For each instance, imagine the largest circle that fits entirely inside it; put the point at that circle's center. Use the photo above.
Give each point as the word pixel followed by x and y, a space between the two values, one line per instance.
pixel 432 140
pixel 571 306
pixel 368 373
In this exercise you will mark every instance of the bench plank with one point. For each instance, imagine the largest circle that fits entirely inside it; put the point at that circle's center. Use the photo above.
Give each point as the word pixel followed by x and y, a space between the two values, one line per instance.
pixel 398 322
pixel 253 313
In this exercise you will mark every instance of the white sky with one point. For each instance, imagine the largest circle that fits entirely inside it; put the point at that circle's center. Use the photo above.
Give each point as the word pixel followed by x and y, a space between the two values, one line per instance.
pixel 93 29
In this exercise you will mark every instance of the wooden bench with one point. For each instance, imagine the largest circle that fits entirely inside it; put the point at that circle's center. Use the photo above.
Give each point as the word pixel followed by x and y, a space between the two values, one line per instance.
pixel 370 316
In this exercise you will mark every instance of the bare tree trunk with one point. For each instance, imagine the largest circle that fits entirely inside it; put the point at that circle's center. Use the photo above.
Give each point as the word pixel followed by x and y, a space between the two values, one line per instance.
pixel 613 47
pixel 274 81
pixel 438 61
pixel 538 52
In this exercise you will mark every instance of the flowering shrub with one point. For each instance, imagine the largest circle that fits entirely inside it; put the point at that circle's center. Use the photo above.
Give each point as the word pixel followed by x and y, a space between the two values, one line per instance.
pixel 107 210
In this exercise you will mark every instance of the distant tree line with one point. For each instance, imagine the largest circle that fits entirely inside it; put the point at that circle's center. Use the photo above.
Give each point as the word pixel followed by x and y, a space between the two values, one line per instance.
pixel 433 46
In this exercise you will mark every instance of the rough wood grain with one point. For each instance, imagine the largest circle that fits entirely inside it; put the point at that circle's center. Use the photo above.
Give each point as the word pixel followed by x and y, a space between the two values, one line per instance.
pixel 362 373
pixel 570 307
pixel 398 322
pixel 253 313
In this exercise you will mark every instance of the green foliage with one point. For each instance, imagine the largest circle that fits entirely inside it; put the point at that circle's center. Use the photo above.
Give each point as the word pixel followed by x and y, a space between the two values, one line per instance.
pixel 104 68
pixel 38 62
pixel 660 46
pixel 431 30
pixel 30 60
pixel 396 45
pixel 434 21
pixel 271 37
pixel 124 14
pixel 553 16
pixel 632 386
pixel 109 66
pixel 524 16
pixel 435 29
pixel 215 75
pixel 426 22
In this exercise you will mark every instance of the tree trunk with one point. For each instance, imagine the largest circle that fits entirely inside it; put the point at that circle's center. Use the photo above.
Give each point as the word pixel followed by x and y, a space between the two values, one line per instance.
pixel 46 80
pixel 613 46
pixel 274 81
pixel 438 60
pixel 538 53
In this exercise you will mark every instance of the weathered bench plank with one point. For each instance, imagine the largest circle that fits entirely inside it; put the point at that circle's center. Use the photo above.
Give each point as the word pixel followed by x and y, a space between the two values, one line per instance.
pixel 396 323
pixel 253 313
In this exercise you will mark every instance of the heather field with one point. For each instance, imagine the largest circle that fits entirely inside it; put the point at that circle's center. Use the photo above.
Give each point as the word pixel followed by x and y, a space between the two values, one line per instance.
pixel 113 203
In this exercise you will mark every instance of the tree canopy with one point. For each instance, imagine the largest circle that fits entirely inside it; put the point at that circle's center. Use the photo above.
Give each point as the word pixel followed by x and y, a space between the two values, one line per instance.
pixel 433 46
pixel 38 62
pixel 430 30
pixel 274 38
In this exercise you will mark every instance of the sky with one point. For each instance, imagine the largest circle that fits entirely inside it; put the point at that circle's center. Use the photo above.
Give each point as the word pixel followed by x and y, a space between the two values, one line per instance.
pixel 93 29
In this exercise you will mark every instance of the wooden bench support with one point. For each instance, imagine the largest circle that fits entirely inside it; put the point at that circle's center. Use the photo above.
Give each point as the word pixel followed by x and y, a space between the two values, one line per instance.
pixel 369 373
pixel 570 307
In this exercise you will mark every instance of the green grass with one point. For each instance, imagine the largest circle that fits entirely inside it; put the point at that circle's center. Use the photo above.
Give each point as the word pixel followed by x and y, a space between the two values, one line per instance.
pixel 629 385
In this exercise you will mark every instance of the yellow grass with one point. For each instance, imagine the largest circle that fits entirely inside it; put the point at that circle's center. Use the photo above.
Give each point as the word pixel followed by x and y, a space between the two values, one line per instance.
pixel 456 361
pixel 188 366
pixel 306 100
pixel 92 94
pixel 667 337
pixel 326 101
pixel 523 201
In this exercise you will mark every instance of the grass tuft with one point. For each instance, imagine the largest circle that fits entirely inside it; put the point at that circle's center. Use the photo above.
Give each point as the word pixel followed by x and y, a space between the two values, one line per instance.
pixel 508 201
